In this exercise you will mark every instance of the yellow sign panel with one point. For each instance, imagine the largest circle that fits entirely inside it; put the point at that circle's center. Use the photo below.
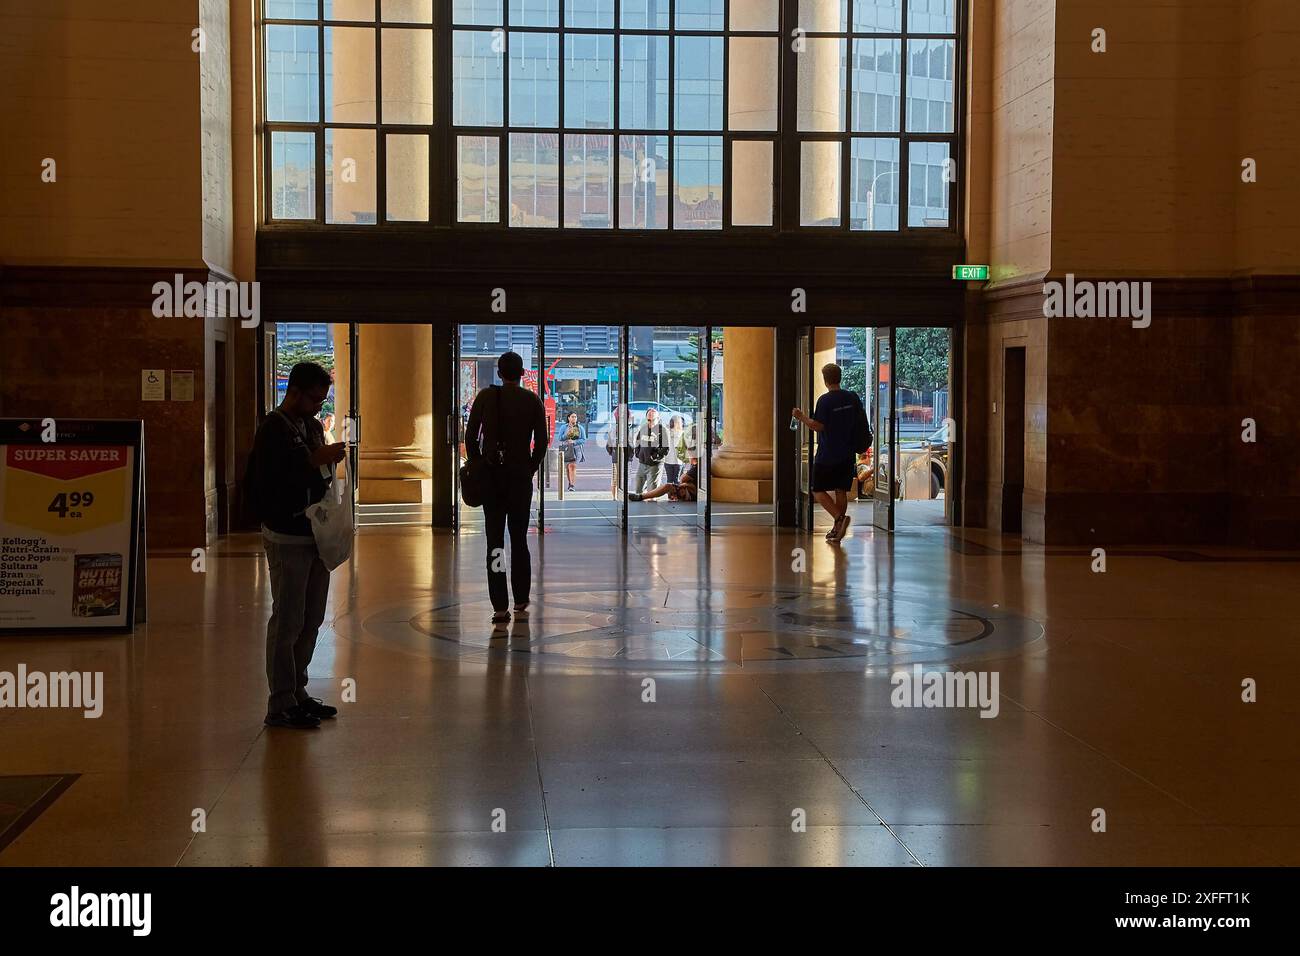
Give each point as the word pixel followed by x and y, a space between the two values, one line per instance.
pixel 63 507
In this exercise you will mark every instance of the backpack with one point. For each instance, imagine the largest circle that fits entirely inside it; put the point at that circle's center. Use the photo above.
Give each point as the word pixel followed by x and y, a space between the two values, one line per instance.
pixel 862 437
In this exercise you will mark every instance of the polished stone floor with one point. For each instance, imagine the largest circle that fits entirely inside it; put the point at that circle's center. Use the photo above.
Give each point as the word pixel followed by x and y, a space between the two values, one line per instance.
pixel 536 745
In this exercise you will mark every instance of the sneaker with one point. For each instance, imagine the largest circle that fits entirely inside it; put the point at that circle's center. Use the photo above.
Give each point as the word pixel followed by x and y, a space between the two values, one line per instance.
pixel 633 496
pixel 501 617
pixel 294 718
pixel 315 707
pixel 844 528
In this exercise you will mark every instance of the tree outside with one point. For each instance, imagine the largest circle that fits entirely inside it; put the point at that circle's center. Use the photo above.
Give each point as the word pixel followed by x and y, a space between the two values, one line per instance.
pixel 289 354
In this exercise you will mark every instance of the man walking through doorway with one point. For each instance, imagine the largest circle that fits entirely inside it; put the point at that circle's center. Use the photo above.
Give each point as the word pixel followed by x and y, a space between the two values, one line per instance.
pixel 651 443
pixel 839 421
pixel 289 469
pixel 507 429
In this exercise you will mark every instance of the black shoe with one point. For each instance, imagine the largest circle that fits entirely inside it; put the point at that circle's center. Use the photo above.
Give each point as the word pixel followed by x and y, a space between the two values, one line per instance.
pixel 294 718
pixel 315 707
pixel 633 496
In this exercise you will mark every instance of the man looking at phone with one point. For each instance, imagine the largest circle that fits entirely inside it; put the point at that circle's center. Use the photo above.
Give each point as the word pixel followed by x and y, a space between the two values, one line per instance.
pixel 290 468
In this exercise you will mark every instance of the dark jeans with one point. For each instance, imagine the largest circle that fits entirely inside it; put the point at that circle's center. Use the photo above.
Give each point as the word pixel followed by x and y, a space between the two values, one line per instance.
pixel 673 472
pixel 509 504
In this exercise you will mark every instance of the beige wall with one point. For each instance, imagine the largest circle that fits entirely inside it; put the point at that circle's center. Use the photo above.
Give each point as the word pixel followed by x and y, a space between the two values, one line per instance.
pixel 111 92
pixel 215 154
pixel 1144 175
pixel 1268 130
pixel 1018 107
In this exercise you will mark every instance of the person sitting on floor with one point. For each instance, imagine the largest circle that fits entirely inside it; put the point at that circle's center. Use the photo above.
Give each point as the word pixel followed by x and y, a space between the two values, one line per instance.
pixel 682 490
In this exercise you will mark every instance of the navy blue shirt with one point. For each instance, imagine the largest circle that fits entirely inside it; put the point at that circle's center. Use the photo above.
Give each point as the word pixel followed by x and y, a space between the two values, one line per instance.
pixel 837 411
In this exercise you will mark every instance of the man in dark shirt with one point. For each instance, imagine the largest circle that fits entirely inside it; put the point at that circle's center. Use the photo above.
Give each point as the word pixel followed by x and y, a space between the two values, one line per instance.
pixel 289 470
pixel 507 428
pixel 835 421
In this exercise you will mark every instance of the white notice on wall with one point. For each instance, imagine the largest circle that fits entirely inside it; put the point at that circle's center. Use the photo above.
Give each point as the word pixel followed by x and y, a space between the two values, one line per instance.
pixel 153 385
pixel 182 386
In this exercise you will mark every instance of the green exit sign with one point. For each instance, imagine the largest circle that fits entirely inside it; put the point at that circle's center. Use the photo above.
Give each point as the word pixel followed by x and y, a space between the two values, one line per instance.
pixel 971 273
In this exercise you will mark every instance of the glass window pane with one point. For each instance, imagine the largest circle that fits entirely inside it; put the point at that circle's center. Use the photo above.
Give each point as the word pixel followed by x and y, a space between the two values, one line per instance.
pixel 931 16
pixel 534 180
pixel 755 15
pixel 819 184
pixel 478 179
pixel 534 13
pixel 349 75
pixel 699 14
pixel 478 12
pixel 643 83
pixel 697 182
pixel 588 181
pixel 534 79
pixel 698 83
pixel 643 182
pixel 752 73
pixel 349 10
pixel 351 176
pixel 880 16
pixel 589 13
pixel 821 86
pixel 873 189
pixel 292 9
pixel 407 11
pixel 408 76
pixel 824 16
pixel 645 14
pixel 930 66
pixel 589 81
pixel 927 203
pixel 477 79
pixel 877 70
pixel 751 183
pixel 292 74
pixel 293 175
pixel 407 166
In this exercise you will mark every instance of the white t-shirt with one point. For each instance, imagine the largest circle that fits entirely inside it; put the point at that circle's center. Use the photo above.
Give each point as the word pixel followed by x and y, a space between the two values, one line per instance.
pixel 674 436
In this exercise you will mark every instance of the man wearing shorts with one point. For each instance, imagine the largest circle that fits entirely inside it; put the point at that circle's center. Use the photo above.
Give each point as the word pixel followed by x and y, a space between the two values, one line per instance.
pixel 835 421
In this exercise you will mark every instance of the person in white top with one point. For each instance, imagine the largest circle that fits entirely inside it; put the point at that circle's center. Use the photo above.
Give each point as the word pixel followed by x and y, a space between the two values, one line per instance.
pixel 673 463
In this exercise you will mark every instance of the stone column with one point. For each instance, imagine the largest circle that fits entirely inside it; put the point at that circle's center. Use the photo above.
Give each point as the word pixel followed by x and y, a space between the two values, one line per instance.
pixel 396 406
pixel 742 468
pixel 823 354
pixel 819 75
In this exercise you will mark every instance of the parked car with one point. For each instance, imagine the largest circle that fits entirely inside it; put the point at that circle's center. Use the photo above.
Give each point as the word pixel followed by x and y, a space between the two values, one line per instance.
pixel 636 415
pixel 937 443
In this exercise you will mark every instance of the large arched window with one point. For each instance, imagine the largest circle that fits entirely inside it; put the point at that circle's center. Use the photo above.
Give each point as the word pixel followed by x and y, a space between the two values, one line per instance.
pixel 623 115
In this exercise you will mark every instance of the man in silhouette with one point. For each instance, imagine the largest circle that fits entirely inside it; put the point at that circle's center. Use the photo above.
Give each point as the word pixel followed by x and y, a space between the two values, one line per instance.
pixel 507 429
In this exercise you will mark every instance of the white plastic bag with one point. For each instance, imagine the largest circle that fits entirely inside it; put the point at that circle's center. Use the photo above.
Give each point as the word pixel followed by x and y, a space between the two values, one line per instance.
pixel 331 520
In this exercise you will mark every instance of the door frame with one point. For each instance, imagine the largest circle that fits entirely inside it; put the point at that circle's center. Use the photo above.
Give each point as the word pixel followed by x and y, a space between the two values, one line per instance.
pixel 883 505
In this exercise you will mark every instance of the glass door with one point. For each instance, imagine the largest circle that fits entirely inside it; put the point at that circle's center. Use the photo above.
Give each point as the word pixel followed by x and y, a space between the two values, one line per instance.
pixel 476 351
pixel 804 398
pixel 885 448
pixel 619 428
pixel 699 452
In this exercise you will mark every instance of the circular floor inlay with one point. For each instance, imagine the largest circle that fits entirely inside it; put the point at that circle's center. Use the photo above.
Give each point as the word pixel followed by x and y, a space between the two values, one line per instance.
pixel 731 628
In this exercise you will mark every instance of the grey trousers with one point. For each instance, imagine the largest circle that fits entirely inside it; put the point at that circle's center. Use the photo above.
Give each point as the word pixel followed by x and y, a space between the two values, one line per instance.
pixel 647 477
pixel 300 585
